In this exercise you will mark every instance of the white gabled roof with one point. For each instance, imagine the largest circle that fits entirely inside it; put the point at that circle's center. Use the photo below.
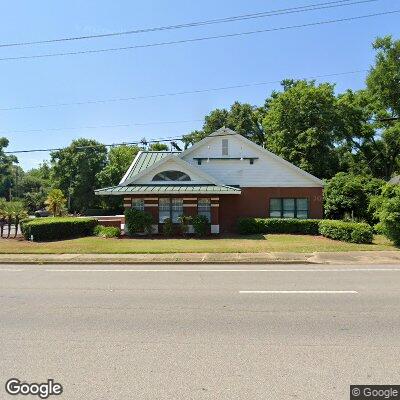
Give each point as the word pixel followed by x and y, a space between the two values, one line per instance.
pixel 229 132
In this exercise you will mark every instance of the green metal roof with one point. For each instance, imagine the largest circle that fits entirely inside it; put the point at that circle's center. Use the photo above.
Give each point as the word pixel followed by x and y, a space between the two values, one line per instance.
pixel 167 189
pixel 146 159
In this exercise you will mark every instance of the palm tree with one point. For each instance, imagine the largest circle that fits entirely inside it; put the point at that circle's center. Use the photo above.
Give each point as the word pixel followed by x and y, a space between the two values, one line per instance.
pixel 55 202
pixel 11 212
pixel 2 216
pixel 18 214
pixel 8 211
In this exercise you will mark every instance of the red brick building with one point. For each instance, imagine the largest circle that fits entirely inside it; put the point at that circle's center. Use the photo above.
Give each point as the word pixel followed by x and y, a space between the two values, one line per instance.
pixel 224 177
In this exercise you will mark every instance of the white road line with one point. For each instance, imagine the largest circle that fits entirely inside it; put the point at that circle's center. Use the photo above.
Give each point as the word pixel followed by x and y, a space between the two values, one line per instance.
pixel 298 291
pixel 226 270
pixel 32 269
pixel 12 270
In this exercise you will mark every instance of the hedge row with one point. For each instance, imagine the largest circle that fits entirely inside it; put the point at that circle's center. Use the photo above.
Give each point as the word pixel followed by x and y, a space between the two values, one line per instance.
pixel 248 226
pixel 44 229
pixel 355 232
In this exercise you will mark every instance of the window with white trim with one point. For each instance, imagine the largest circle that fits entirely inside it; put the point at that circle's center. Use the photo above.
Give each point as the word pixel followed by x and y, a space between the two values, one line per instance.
pixel 204 208
pixel 164 209
pixel 177 210
pixel 170 208
pixel 288 208
pixel 138 204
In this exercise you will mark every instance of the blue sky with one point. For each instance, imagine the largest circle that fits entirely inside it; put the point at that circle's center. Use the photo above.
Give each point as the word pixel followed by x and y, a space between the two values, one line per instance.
pixel 269 56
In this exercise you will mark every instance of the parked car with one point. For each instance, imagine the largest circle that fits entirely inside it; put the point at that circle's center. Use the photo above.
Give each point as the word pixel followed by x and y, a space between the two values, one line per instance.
pixel 41 213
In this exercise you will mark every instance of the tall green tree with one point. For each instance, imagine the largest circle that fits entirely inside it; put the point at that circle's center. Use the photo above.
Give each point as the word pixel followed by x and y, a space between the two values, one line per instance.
pixel 119 159
pixel 243 118
pixel 383 80
pixel 349 195
pixel 301 126
pixel 158 147
pixel 34 186
pixel 75 169
pixel 382 152
pixel 388 212
pixel 6 170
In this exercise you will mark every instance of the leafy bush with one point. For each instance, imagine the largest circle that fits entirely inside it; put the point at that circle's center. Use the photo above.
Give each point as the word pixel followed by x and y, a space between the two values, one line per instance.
pixel 137 221
pixel 184 221
pixel 355 232
pixel 249 226
pixel 350 195
pixel 200 225
pixel 389 212
pixel 379 229
pixel 57 228
pixel 107 231
pixel 168 227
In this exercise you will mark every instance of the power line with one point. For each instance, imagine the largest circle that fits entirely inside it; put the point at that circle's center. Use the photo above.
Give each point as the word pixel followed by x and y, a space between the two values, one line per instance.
pixel 96 146
pixel 263 14
pixel 200 39
pixel 186 92
pixel 98 126
pixel 141 142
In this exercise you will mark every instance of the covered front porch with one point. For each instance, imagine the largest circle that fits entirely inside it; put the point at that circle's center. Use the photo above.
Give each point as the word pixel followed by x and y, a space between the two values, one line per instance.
pixel 172 201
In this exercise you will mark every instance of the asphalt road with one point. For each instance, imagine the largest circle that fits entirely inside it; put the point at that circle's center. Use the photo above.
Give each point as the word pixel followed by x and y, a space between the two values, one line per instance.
pixel 200 332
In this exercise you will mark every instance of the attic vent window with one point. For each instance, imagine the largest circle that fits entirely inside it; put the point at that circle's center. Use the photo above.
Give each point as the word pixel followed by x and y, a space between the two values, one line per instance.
pixel 225 150
pixel 171 176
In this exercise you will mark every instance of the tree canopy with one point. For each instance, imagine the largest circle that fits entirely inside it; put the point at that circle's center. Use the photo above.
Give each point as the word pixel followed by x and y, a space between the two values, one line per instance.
pixel 75 169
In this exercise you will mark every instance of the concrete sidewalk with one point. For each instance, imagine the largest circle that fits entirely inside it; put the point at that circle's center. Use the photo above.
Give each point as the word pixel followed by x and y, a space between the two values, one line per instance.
pixel 350 257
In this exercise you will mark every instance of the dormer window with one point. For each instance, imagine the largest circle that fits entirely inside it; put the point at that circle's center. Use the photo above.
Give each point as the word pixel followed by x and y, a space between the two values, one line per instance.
pixel 171 176
pixel 225 149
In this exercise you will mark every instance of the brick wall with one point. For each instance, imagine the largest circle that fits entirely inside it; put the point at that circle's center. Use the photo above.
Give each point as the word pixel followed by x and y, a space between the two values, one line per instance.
pixel 227 209
pixel 254 202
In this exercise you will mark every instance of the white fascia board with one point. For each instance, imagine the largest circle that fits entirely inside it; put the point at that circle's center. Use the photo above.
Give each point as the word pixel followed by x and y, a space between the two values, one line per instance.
pixel 201 143
pixel 130 168
pixel 255 146
pixel 185 165
pixel 219 132
pixel 281 160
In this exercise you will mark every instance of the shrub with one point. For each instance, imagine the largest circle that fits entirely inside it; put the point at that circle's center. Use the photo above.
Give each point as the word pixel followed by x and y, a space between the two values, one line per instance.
pixel 57 228
pixel 184 224
pixel 389 212
pixel 107 231
pixel 200 225
pixel 137 221
pixel 347 194
pixel 168 227
pixel 355 232
pixel 248 226
pixel 379 229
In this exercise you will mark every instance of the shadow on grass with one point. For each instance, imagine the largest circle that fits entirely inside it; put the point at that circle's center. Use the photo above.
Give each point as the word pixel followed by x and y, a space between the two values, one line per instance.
pixel 191 237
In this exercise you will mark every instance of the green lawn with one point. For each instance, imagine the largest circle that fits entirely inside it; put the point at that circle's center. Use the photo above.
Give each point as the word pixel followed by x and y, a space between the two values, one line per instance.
pixel 242 244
